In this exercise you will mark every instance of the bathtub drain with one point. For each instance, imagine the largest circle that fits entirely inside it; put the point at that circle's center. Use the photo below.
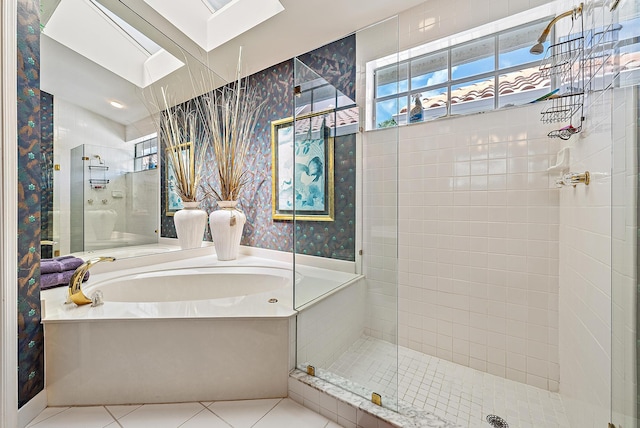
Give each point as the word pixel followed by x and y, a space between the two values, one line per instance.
pixel 497 422
pixel 273 300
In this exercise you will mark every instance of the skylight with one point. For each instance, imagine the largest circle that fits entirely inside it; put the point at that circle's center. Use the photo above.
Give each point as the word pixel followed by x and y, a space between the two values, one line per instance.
pixel 211 23
pixel 94 32
pixel 146 43
pixel 216 5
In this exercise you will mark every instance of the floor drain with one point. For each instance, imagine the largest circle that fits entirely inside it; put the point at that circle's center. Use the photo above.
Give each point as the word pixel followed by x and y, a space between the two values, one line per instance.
pixel 497 422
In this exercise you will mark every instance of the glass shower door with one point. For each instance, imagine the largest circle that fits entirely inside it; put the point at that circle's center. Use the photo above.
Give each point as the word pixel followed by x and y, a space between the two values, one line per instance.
pixel 625 338
pixel 625 334
pixel 346 333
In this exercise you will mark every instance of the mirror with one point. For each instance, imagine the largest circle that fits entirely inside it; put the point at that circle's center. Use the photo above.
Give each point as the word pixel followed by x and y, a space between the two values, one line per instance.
pixel 102 68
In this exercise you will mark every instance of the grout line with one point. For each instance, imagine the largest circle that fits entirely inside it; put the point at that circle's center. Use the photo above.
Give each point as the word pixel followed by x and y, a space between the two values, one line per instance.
pixel 36 425
pixel 114 418
pixel 203 410
pixel 268 411
pixel 221 418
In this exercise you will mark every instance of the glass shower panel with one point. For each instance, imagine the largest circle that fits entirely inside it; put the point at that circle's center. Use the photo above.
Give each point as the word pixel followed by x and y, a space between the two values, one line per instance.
pixel 76 194
pixel 624 257
pixel 625 336
pixel 320 141
pixel 111 206
pixel 105 190
pixel 347 319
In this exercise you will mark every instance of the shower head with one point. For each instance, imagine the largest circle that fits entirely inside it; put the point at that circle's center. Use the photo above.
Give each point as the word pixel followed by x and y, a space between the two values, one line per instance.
pixel 538 48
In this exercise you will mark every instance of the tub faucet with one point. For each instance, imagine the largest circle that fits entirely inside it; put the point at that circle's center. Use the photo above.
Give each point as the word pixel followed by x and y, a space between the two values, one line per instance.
pixel 75 283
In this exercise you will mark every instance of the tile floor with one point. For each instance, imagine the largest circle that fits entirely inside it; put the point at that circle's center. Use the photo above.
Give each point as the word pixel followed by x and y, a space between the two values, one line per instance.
pixel 269 413
pixel 456 393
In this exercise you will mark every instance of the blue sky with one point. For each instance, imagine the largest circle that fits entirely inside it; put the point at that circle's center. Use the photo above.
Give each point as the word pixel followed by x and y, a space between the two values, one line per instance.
pixel 386 109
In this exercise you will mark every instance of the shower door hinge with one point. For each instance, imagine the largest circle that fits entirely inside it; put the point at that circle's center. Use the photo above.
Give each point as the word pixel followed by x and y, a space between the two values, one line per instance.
pixel 297 90
pixel 311 371
pixel 376 399
pixel 360 252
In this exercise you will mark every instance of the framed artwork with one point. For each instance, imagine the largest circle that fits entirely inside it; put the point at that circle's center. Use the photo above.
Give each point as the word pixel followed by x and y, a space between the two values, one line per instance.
pixel 302 169
pixel 174 202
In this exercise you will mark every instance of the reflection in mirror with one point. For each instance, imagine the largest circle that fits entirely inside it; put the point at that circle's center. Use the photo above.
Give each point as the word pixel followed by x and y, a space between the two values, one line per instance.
pixel 100 74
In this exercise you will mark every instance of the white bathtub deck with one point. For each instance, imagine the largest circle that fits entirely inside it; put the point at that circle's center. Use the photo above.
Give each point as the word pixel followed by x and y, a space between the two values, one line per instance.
pixel 311 283
pixel 226 348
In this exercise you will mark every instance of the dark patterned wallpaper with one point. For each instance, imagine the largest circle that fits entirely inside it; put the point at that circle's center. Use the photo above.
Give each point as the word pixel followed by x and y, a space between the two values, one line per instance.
pixel 30 336
pixel 336 63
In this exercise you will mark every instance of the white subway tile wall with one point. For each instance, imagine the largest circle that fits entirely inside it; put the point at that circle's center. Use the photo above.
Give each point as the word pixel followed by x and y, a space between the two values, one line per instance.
pixel 623 256
pixel 586 259
pixel 73 127
pixel 478 226
pixel 585 272
pixel 478 244
pixel 497 269
pixel 480 222
pixel 380 237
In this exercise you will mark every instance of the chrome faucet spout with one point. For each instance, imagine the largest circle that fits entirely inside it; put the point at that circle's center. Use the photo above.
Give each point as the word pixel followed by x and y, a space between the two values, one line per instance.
pixel 76 295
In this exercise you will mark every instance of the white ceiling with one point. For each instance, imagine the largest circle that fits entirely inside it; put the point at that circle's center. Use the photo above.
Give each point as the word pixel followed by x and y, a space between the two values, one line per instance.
pixel 302 26
pixel 81 26
pixel 211 29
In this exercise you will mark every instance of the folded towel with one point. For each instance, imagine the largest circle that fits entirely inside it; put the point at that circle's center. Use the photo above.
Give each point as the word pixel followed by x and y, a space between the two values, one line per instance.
pixel 71 263
pixel 58 279
pixel 60 264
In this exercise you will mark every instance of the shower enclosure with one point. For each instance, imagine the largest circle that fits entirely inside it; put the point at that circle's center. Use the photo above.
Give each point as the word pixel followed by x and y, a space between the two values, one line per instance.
pixel 333 336
pixel 110 204
pixel 625 129
pixel 491 293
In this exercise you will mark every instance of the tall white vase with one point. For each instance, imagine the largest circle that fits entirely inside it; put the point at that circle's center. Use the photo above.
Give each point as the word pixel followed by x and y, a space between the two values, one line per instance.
pixel 226 226
pixel 190 223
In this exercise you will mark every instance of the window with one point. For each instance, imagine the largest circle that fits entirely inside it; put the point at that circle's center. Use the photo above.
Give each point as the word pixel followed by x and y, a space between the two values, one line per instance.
pixel 460 79
pixel 146 154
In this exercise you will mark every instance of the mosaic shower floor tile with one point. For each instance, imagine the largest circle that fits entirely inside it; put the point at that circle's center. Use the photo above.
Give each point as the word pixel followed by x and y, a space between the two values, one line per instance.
pixel 453 392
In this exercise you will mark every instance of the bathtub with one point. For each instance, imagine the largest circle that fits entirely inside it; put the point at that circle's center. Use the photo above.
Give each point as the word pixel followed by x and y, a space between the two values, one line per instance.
pixel 222 284
pixel 194 330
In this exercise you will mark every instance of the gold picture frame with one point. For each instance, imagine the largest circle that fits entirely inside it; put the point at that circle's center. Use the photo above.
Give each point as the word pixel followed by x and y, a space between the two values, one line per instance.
pixel 307 163
pixel 172 199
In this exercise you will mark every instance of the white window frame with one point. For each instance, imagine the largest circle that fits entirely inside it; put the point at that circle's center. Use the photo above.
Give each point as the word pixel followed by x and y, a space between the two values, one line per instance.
pixel 446 44
pixel 135 151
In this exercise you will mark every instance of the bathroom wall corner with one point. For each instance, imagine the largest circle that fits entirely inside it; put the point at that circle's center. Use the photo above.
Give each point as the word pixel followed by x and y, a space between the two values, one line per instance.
pixel 30 410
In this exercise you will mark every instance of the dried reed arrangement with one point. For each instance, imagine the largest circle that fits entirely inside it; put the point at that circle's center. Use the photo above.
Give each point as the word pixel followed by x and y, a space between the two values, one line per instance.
pixel 231 114
pixel 178 125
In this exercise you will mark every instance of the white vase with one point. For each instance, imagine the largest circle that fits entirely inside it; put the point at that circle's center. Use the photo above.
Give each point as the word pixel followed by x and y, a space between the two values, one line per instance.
pixel 226 226
pixel 190 223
